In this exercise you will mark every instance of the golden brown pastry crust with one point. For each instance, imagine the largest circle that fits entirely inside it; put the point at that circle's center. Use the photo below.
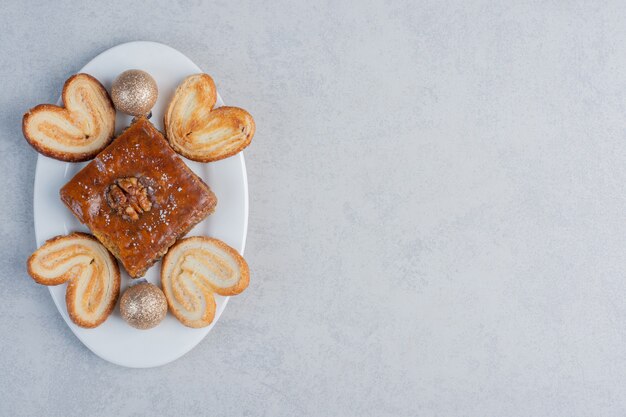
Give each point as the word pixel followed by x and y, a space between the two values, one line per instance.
pixel 92 272
pixel 179 199
pixel 200 133
pixel 195 268
pixel 80 129
pixel 41 278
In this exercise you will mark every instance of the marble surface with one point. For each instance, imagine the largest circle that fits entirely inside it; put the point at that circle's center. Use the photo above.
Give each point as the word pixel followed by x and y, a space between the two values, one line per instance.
pixel 437 210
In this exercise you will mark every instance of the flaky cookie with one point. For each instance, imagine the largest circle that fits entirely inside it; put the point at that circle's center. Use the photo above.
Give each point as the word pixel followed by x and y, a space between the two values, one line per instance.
pixel 195 268
pixel 80 129
pixel 200 133
pixel 92 272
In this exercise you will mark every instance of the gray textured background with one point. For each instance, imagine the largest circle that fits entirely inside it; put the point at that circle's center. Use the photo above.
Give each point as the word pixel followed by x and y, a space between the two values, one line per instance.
pixel 437 217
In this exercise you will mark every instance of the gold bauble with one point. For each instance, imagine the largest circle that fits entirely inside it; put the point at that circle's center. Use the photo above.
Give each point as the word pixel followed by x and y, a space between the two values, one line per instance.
pixel 134 92
pixel 143 306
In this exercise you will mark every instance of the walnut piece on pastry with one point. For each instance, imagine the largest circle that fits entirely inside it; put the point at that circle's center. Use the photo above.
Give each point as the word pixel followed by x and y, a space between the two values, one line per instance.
pixel 200 133
pixel 195 268
pixel 92 272
pixel 80 129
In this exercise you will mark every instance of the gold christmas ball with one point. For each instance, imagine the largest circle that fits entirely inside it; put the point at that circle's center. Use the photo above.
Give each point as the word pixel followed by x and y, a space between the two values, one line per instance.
pixel 134 92
pixel 143 306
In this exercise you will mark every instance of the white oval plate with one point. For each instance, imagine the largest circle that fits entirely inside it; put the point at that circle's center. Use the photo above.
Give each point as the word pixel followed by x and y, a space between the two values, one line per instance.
pixel 114 340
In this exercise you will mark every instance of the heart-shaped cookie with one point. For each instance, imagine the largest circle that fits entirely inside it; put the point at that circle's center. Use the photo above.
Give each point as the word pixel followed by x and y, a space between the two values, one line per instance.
pixel 79 130
pixel 200 133
pixel 193 270
pixel 92 272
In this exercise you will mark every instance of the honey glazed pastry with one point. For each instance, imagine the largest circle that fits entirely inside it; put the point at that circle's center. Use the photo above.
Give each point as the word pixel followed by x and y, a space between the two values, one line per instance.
pixel 138 196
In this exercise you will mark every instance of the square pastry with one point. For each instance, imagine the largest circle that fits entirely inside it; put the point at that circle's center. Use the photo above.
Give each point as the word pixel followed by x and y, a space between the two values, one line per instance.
pixel 138 197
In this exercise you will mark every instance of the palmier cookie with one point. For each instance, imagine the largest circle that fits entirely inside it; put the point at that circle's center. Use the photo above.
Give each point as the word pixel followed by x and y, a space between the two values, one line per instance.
pixel 200 133
pixel 92 272
pixel 195 268
pixel 80 129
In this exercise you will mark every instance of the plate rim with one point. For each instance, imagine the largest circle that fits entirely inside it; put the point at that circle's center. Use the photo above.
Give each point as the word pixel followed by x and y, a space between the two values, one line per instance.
pixel 38 238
